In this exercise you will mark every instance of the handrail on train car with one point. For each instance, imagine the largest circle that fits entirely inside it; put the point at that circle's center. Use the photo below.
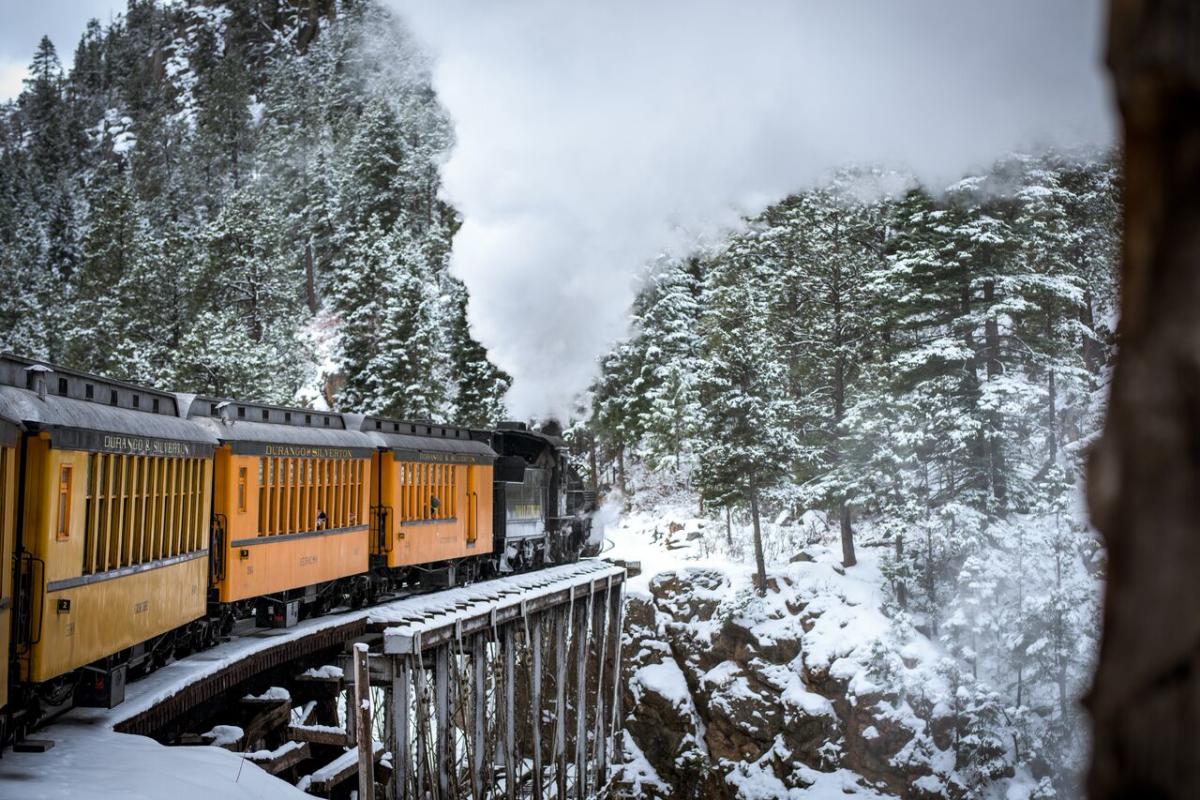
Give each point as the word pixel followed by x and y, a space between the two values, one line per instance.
pixel 218 526
pixel 31 587
pixel 380 517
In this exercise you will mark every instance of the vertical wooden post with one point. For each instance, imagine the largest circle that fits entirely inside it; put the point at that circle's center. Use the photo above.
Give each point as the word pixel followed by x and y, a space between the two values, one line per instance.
pixel 401 758
pixel 582 616
pixel 617 615
pixel 366 741
pixel 600 630
pixel 422 727
pixel 351 716
pixel 389 729
pixel 479 721
pixel 535 701
pixel 510 713
pixel 441 677
pixel 560 700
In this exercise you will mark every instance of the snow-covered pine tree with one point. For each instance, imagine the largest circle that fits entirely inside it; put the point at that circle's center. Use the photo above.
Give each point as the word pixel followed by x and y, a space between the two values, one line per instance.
pixel 747 439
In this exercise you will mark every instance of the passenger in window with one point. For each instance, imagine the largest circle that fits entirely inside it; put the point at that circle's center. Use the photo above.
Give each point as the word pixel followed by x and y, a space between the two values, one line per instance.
pixel 434 505
pixel 322 520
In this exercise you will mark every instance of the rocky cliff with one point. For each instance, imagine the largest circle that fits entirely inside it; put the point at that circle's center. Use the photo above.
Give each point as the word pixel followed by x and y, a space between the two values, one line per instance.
pixel 808 691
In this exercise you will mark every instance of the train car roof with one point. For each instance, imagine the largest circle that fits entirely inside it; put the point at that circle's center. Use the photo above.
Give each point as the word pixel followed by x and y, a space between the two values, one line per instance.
pixel 88 412
pixel 261 429
pixel 426 441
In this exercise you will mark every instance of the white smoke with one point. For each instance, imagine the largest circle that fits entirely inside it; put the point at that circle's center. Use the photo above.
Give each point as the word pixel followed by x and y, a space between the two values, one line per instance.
pixel 589 134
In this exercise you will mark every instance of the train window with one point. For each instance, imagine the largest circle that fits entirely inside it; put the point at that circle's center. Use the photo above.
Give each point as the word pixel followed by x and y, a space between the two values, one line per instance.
pixel 427 492
pixel 378 425
pixel 241 412
pixel 241 490
pixel 155 406
pixel 326 422
pixel 298 495
pixel 63 531
pixel 266 415
pixel 137 401
pixel 287 417
pixel 62 386
pixel 525 504
pixel 143 508
pixel 308 419
pixel 89 391
pixel 112 397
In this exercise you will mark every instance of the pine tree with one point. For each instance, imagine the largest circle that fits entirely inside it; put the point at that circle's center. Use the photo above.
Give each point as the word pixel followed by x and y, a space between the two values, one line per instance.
pixel 747 444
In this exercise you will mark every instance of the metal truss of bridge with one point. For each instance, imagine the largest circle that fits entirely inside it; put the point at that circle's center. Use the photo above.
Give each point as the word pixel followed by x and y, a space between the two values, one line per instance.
pixel 508 689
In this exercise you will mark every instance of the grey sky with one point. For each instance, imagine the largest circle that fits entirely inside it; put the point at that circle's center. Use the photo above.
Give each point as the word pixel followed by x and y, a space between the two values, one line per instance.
pixel 24 22
pixel 590 135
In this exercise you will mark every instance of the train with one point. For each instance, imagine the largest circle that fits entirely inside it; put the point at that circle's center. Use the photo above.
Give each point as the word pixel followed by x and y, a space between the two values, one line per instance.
pixel 138 525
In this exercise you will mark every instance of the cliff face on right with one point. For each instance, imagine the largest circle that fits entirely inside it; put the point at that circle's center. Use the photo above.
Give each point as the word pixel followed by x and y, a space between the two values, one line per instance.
pixel 807 691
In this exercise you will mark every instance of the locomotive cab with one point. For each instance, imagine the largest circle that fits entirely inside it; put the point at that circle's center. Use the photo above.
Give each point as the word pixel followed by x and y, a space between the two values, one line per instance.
pixel 542 515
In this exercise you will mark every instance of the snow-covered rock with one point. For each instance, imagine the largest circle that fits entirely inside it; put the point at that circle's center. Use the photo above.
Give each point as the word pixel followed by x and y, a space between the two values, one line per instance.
pixel 733 695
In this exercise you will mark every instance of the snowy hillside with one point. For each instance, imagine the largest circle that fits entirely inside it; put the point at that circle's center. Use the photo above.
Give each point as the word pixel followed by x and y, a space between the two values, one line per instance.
pixel 820 688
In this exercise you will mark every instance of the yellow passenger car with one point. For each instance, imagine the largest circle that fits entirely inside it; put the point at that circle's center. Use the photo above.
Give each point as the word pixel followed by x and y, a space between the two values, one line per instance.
pixel 112 539
pixel 432 493
pixel 8 497
pixel 290 500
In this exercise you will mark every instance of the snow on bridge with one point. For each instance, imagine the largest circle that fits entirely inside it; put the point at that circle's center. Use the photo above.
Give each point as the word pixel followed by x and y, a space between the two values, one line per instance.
pixel 92 758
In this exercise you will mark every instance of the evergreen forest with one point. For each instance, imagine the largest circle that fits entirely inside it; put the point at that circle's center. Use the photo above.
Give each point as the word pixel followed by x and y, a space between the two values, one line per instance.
pixel 919 372
pixel 240 198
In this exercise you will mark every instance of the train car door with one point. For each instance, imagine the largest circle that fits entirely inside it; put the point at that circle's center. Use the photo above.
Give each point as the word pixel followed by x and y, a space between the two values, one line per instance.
pixel 8 512
pixel 472 504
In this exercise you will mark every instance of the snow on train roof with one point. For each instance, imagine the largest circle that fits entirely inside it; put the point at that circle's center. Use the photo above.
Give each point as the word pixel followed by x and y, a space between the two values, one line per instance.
pixel 415 439
pixel 272 439
pixel 84 411
pixel 407 445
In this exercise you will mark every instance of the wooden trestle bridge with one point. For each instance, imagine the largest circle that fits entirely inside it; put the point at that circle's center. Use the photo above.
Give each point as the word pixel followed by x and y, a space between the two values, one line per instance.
pixel 503 689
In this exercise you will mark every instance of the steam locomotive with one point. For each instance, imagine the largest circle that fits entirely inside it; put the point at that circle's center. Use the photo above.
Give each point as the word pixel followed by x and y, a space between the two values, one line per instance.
pixel 137 526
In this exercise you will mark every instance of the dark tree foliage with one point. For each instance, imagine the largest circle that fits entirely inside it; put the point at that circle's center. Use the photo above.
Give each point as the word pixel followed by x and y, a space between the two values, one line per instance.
pixel 240 198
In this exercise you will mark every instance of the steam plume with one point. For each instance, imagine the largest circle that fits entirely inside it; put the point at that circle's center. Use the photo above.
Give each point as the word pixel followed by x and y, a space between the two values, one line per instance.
pixel 588 134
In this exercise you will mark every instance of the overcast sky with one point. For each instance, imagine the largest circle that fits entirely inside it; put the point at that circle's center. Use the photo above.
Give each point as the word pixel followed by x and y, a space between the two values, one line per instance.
pixel 589 134
pixel 24 22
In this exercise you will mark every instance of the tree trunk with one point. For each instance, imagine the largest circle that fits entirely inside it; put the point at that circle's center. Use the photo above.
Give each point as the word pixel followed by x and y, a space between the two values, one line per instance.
pixel 310 278
pixel 760 563
pixel 621 474
pixel 728 528
pixel 1144 473
pixel 991 335
pixel 848 558
pixel 1051 403
pixel 593 463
